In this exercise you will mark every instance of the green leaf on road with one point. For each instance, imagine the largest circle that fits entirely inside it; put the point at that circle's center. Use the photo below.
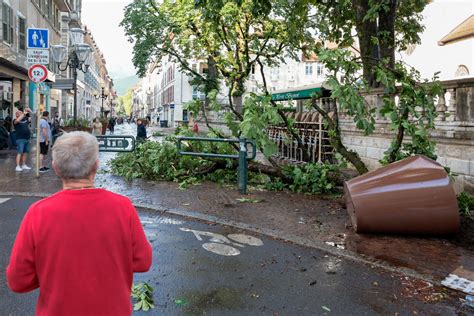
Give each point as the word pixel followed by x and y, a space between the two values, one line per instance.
pixel 180 302
pixel 326 308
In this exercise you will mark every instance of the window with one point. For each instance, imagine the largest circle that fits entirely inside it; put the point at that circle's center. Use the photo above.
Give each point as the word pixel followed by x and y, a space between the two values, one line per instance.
pixel 319 70
pixel 203 68
pixel 252 72
pixel 21 35
pixel 461 71
pixel 308 69
pixel 57 18
pixel 7 24
pixel 49 8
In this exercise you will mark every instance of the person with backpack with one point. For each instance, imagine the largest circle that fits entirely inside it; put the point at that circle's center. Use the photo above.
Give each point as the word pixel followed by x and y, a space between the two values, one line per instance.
pixel 58 124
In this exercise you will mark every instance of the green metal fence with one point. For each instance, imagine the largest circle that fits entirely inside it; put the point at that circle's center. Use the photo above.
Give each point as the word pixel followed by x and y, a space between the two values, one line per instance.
pixel 243 155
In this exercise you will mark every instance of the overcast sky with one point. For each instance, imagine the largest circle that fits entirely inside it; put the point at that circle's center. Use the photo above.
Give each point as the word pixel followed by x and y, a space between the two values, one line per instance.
pixel 103 18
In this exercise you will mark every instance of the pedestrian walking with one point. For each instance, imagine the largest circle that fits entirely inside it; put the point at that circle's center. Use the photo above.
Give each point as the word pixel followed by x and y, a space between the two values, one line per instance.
pixel 96 127
pixel 58 124
pixel 112 124
pixel 80 246
pixel 141 131
pixel 45 139
pixel 21 124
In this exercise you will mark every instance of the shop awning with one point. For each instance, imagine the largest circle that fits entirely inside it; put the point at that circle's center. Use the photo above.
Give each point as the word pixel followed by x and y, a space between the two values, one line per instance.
pixel 299 93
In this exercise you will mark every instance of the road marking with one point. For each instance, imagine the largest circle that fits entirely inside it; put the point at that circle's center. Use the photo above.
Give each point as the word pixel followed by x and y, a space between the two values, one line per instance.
pixel 246 239
pixel 3 200
pixel 154 221
pixel 221 249
pixel 218 242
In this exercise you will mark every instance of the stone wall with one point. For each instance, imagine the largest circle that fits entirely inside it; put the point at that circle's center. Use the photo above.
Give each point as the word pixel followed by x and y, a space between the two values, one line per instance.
pixel 454 133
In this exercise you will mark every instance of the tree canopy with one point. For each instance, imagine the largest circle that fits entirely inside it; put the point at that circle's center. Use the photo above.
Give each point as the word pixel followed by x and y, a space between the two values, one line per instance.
pixel 235 36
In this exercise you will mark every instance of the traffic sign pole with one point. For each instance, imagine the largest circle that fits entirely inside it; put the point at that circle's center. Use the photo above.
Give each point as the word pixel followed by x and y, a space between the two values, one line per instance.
pixel 38 118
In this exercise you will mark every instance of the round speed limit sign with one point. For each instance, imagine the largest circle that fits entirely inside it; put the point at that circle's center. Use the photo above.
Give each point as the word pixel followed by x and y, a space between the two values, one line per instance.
pixel 38 73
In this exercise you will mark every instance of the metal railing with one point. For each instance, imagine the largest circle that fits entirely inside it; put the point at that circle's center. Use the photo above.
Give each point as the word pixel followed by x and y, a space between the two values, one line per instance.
pixel 243 156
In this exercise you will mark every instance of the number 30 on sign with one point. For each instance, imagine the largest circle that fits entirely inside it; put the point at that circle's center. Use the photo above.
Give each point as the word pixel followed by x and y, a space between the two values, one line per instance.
pixel 38 73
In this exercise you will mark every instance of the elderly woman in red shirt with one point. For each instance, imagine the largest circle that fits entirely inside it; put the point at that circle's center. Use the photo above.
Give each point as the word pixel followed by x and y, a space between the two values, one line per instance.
pixel 79 240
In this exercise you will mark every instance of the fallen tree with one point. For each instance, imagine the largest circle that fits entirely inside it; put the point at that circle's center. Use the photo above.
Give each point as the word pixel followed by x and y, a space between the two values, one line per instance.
pixel 162 162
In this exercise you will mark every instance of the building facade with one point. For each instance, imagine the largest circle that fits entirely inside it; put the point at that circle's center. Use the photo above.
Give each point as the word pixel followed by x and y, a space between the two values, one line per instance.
pixel 16 17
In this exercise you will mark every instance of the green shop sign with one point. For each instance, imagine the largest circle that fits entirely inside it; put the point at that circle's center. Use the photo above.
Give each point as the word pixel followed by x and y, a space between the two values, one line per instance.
pixel 297 95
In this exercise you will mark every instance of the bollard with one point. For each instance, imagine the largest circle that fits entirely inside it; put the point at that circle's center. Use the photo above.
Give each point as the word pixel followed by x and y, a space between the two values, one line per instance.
pixel 243 164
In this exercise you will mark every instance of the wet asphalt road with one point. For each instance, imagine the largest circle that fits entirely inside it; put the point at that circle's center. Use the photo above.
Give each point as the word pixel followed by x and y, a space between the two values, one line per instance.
pixel 245 275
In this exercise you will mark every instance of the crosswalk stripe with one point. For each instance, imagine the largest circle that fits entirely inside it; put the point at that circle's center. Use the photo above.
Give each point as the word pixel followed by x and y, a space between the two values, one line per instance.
pixel 3 200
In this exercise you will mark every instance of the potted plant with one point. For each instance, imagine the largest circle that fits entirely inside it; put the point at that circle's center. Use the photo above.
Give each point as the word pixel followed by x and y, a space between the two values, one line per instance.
pixel 81 124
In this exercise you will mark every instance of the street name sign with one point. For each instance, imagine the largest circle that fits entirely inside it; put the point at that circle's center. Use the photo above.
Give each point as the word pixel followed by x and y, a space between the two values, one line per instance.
pixel 37 56
pixel 38 73
pixel 38 38
pixel 111 143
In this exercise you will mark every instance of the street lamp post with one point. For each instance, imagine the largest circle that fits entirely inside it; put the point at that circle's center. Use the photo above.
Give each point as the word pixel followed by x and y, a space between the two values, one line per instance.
pixel 103 95
pixel 78 58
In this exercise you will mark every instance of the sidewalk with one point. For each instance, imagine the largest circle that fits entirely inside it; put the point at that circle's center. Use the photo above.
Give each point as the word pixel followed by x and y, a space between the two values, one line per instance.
pixel 308 220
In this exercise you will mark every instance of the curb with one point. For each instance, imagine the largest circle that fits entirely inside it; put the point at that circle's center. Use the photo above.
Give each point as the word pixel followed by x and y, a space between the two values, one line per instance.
pixel 276 234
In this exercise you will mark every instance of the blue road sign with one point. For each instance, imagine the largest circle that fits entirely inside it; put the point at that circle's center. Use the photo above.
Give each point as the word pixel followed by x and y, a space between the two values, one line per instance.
pixel 38 38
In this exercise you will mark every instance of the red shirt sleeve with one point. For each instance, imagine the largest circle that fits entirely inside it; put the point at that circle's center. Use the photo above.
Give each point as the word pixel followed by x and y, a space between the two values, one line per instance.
pixel 21 272
pixel 142 252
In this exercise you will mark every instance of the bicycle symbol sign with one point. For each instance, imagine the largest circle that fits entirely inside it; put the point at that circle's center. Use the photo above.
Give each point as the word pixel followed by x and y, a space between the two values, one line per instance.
pixel 38 73
pixel 222 245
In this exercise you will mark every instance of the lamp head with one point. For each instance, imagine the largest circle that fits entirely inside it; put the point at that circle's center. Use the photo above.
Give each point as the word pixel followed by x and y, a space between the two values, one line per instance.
pixel 76 36
pixel 59 53
pixel 82 51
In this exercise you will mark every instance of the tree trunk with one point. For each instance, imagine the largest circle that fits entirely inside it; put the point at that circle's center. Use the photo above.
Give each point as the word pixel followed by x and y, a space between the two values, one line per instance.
pixel 387 32
pixel 336 141
pixel 366 31
pixel 395 148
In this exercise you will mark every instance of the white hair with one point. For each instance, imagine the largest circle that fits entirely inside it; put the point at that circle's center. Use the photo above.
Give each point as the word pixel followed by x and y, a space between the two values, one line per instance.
pixel 75 155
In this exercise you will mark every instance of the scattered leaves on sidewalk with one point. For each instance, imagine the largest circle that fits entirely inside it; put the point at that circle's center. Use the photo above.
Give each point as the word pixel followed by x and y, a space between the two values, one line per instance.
pixel 248 200
pixel 254 295
pixel 422 290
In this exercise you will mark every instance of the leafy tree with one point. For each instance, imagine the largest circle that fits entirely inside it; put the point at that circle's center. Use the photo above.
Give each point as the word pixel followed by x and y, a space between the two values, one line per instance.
pixel 366 61
pixel 235 36
pixel 125 102
pixel 238 36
